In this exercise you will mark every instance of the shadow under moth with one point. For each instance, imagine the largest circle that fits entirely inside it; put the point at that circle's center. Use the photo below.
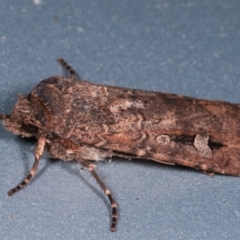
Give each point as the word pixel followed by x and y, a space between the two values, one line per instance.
pixel 77 120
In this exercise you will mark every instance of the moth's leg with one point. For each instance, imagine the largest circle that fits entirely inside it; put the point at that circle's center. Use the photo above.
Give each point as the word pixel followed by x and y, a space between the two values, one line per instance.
pixel 38 153
pixel 106 191
pixel 67 67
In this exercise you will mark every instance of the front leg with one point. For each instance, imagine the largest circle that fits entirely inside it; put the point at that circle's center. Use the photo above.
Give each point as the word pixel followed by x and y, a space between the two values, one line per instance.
pixel 38 154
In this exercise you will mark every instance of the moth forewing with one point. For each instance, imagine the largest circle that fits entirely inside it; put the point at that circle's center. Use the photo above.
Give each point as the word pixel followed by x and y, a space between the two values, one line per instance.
pixel 201 134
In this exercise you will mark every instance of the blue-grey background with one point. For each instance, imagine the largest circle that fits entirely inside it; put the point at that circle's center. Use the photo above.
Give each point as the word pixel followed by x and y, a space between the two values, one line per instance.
pixel 189 47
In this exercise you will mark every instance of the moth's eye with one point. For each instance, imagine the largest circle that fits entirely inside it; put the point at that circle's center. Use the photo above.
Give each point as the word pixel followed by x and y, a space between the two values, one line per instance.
pixel 29 128
pixel 29 96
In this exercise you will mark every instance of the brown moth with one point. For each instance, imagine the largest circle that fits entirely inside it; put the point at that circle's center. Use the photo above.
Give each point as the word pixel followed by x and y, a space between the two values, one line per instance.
pixel 77 120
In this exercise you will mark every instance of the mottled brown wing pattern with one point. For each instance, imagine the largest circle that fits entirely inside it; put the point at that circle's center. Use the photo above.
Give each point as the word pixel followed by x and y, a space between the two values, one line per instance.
pixel 161 127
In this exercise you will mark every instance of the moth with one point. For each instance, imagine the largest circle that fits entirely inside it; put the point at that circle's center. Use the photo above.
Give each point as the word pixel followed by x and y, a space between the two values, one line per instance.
pixel 74 119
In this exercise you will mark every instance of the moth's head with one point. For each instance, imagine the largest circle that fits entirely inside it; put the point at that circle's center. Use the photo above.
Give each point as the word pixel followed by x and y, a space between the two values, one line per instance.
pixel 20 121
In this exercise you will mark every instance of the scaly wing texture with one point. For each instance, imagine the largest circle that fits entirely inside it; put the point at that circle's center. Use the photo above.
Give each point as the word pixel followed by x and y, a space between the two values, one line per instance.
pixel 162 127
